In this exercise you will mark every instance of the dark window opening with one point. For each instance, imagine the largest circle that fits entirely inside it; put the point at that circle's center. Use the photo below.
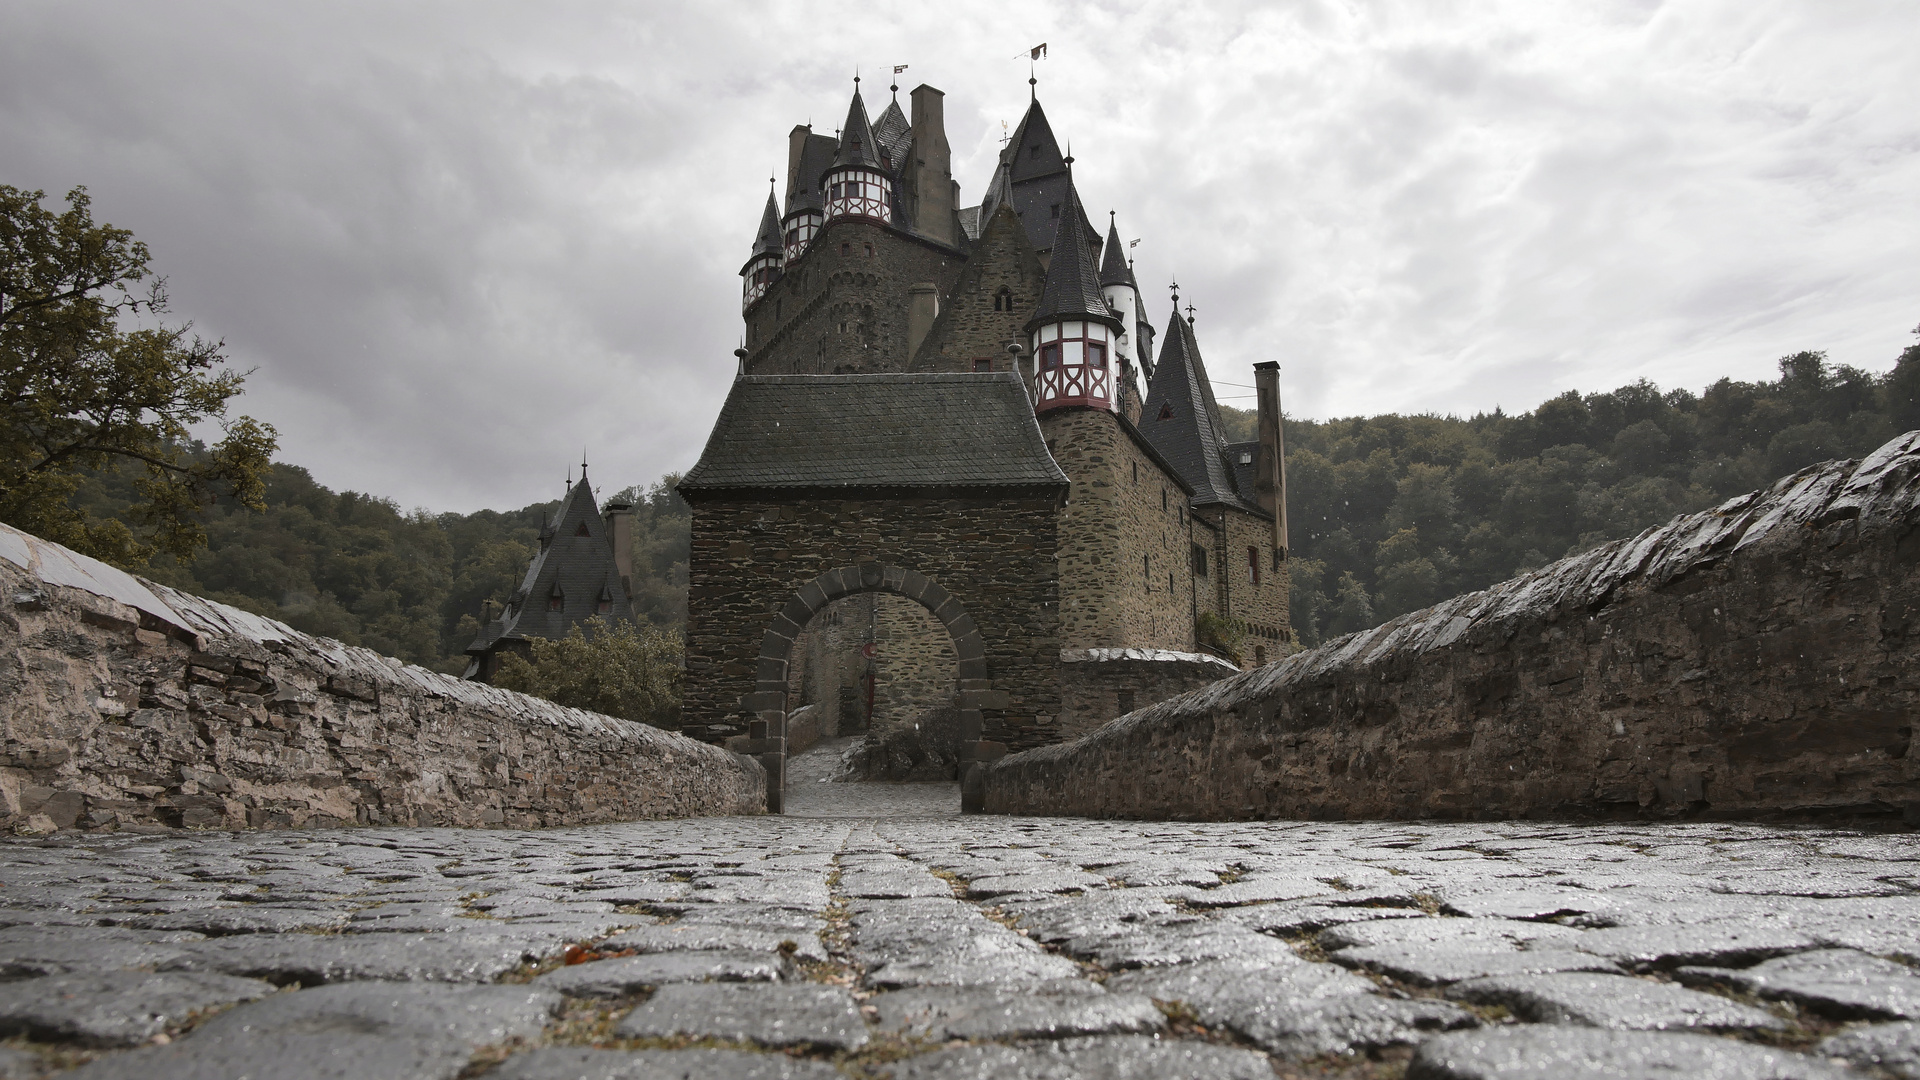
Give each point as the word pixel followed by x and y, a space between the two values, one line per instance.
pixel 1260 654
pixel 1146 570
pixel 1276 560
pixel 846 249
pixel 1166 412
pixel 1253 565
pixel 983 363
pixel 1163 498
pixel 1049 356
pixel 1136 475
pixel 1124 699
pixel 869 251
pixel 1199 560
pixel 582 530
pixel 556 601
pixel 1003 300
pixel 1056 210
pixel 605 604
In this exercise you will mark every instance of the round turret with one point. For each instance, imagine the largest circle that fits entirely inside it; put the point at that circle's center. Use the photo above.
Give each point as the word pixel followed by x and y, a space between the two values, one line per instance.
pixel 858 184
pixel 766 264
pixel 1073 333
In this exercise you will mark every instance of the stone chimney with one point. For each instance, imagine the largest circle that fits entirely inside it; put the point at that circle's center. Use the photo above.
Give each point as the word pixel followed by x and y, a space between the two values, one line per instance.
pixel 619 519
pixel 1270 468
pixel 930 173
pixel 923 306
pixel 796 148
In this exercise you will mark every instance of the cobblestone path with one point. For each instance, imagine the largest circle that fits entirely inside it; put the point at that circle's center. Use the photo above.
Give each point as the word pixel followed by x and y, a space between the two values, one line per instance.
pixel 874 932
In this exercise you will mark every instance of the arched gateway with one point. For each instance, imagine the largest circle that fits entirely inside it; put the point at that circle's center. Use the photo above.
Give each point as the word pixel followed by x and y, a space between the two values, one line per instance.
pixel 935 487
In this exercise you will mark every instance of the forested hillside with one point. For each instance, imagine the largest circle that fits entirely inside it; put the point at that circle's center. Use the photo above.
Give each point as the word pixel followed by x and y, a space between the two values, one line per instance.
pixel 1392 513
pixel 1388 513
pixel 405 583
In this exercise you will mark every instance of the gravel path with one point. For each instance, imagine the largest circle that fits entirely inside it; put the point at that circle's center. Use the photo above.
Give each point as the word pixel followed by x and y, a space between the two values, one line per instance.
pixel 874 932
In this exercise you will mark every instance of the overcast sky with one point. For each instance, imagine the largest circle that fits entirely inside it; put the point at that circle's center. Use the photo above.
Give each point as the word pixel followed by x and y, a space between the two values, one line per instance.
pixel 460 240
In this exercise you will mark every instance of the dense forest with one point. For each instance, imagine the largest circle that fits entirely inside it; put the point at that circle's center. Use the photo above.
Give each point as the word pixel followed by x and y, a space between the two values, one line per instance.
pixel 405 583
pixel 1388 513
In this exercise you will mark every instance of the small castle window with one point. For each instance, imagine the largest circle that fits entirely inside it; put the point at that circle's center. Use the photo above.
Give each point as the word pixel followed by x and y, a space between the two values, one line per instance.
pixel 582 530
pixel 846 249
pixel 983 363
pixel 1166 411
pixel 869 248
pixel 556 600
pixel 1003 300
pixel 1136 475
pixel 1169 581
pixel 605 604
pixel 1146 570
pixel 1246 458
pixel 1056 210
pixel 1199 560
pixel 1163 498
pixel 1253 565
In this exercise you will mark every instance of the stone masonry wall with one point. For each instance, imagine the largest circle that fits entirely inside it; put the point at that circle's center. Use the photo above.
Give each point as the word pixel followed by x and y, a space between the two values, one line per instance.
pixel 1099 685
pixel 130 704
pixel 994 555
pixel 1260 606
pixel 970 328
pixel 914 666
pixel 1125 575
pixel 835 313
pixel 1761 658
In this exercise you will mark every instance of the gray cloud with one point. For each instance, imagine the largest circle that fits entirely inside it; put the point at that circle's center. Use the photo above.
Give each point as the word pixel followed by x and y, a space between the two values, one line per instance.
pixel 460 240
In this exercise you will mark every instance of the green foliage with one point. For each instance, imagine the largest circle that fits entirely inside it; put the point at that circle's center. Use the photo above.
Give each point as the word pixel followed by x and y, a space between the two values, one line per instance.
pixel 1224 637
pixel 87 387
pixel 1392 513
pixel 621 669
pixel 410 584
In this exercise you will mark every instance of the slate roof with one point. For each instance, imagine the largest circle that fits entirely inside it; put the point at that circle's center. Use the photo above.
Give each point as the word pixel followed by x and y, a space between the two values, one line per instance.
pixel 1192 437
pixel 1113 263
pixel 1073 287
pixel 1037 176
pixel 970 221
pixel 923 430
pixel 857 144
pixel 768 241
pixel 816 157
pixel 894 135
pixel 576 560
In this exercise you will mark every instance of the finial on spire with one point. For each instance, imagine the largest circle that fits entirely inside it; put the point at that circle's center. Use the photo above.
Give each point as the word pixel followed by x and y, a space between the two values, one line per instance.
pixel 897 69
pixel 1189 313
pixel 1176 293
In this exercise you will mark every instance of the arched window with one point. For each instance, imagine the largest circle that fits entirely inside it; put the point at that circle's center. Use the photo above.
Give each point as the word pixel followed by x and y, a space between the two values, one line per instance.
pixel 604 606
pixel 1003 300
pixel 556 599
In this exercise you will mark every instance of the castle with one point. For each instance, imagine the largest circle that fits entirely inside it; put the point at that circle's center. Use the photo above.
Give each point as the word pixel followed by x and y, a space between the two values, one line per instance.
pixel 937 495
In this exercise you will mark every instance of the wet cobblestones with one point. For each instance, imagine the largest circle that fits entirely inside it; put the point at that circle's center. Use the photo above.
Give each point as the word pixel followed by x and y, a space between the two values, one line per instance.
pixel 873 932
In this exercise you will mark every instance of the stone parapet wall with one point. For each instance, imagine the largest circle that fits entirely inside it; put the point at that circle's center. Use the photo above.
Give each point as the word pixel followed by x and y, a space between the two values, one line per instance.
pixel 130 704
pixel 1758 659
pixel 1099 685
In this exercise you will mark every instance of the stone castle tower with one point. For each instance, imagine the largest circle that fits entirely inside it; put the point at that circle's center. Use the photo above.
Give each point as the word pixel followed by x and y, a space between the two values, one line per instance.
pixel 877 276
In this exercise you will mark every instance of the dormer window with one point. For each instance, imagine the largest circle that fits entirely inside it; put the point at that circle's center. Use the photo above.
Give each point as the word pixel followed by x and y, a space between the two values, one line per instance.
pixel 604 606
pixel 556 600
pixel 1166 411
pixel 582 530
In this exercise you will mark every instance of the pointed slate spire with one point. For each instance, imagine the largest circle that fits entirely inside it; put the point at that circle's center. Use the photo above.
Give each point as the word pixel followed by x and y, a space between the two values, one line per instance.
pixel 767 241
pixel 1113 262
pixel 999 194
pixel 893 134
pixel 857 144
pixel 1182 420
pixel 1033 151
pixel 1073 287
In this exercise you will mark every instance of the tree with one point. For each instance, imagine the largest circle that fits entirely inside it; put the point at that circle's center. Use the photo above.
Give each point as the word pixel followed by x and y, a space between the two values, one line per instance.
pixel 625 670
pixel 91 379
